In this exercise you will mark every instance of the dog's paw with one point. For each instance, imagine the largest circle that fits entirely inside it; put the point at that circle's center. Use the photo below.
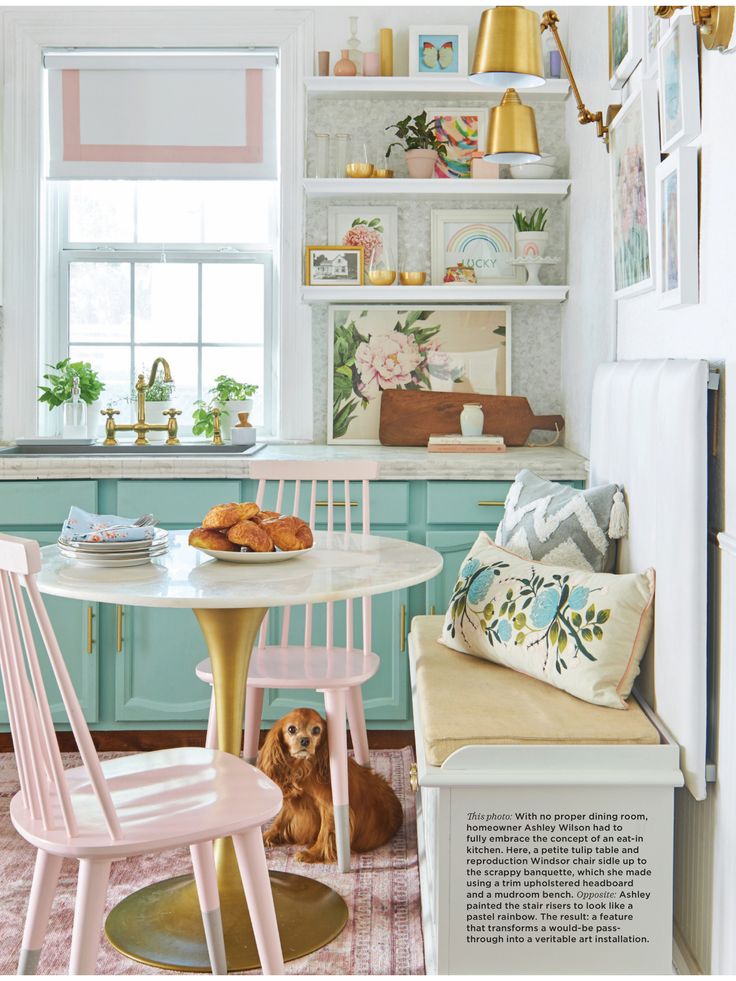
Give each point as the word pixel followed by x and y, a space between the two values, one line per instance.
pixel 271 838
pixel 310 857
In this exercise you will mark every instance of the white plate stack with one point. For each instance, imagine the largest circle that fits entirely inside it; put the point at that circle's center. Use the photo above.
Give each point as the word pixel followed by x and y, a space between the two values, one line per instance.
pixel 109 555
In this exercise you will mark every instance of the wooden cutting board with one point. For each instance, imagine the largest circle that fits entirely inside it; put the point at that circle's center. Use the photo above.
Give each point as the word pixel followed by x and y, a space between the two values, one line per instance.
pixel 409 418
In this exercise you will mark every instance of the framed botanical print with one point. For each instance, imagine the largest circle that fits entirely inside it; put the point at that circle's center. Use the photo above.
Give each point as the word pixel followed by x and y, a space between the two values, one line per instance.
pixel 334 265
pixel 375 230
pixel 634 156
pixel 625 42
pixel 679 84
pixel 480 243
pixel 677 228
pixel 438 50
pixel 463 131
pixel 426 348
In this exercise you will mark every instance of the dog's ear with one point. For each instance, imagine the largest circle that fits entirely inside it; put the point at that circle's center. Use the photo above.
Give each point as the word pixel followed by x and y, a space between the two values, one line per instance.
pixel 272 759
pixel 322 755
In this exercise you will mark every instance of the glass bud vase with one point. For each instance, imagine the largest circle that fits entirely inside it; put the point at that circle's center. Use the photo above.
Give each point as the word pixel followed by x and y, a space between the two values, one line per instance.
pixel 381 265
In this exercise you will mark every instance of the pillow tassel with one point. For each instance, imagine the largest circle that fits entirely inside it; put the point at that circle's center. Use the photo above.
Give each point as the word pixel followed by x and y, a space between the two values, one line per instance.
pixel 618 526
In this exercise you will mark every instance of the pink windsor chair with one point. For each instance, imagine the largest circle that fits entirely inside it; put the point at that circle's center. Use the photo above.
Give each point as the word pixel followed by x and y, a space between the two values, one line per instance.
pixel 337 671
pixel 98 813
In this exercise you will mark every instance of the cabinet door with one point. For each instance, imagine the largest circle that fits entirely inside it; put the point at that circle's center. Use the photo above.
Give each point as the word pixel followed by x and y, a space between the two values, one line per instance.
pixel 453 546
pixel 75 624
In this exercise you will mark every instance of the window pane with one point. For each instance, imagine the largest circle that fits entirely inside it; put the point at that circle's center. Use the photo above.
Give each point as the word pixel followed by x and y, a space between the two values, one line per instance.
pixel 169 211
pixel 232 303
pixel 113 365
pixel 244 364
pixel 183 364
pixel 99 301
pixel 238 211
pixel 165 302
pixel 101 211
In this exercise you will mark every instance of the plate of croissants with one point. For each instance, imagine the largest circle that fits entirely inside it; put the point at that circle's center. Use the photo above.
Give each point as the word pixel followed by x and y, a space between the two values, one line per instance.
pixel 244 533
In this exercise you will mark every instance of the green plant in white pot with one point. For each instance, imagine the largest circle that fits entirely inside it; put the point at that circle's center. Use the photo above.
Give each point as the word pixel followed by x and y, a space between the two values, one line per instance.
pixel 531 237
pixel 418 139
pixel 231 397
pixel 158 397
pixel 59 389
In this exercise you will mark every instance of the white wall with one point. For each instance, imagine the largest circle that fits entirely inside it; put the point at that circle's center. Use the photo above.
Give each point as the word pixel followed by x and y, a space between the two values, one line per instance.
pixel 705 889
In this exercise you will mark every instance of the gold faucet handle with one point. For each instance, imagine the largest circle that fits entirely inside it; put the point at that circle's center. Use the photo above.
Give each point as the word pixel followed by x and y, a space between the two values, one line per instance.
pixel 109 426
pixel 171 413
pixel 109 412
pixel 216 425
pixel 172 426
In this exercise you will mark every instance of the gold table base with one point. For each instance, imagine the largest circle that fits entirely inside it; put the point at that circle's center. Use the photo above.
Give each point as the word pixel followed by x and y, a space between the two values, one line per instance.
pixel 161 925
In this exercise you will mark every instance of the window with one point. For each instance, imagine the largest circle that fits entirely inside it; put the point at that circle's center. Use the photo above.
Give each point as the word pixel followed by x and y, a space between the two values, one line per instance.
pixel 182 269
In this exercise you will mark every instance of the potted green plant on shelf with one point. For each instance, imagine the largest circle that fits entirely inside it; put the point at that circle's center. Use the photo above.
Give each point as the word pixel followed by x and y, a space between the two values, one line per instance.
pixel 59 389
pixel 231 397
pixel 418 139
pixel 158 397
pixel 531 237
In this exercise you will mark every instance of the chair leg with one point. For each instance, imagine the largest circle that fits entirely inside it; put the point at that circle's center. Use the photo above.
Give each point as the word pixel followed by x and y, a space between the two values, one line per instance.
pixel 338 743
pixel 211 740
pixel 252 722
pixel 203 863
pixel 88 910
pixel 251 857
pixel 358 731
pixel 43 888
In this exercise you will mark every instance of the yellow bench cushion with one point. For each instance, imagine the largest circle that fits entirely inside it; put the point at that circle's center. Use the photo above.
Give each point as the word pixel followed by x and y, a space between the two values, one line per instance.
pixel 465 701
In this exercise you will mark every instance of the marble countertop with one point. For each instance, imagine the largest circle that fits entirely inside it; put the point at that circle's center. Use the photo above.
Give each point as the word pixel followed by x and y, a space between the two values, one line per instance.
pixel 395 463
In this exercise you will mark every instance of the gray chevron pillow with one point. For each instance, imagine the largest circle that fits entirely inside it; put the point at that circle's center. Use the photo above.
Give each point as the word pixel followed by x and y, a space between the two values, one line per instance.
pixel 552 522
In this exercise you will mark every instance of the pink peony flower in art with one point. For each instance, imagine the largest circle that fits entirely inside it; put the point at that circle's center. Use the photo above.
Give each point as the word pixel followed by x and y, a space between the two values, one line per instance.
pixel 369 238
pixel 386 361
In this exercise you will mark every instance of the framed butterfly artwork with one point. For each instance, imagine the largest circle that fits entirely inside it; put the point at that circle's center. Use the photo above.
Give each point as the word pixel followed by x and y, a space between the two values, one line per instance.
pixel 438 50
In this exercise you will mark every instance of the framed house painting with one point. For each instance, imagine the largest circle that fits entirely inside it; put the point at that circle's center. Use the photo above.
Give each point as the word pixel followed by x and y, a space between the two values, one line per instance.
pixel 634 156
pixel 426 348
pixel 625 43
pixel 677 228
pixel 334 265
pixel 679 85
pixel 463 133
pixel 375 230
pixel 438 50
pixel 479 243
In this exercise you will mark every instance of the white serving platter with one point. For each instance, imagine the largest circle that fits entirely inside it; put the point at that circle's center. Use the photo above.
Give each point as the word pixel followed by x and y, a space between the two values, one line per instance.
pixel 253 558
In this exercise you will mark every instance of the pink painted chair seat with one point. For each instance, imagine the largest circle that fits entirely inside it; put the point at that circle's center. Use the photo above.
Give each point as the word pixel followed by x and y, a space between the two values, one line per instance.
pixel 320 668
pixel 163 799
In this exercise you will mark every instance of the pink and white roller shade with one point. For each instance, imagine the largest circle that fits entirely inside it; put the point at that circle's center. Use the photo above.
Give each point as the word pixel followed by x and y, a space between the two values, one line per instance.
pixel 180 115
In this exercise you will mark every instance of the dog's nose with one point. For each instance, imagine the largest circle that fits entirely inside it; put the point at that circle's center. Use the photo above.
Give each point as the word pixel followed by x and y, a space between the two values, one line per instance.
pixel 304 740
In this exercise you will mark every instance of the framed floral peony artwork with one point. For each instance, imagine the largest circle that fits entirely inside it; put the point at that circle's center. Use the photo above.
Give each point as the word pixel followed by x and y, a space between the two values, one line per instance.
pixel 372 229
pixel 429 348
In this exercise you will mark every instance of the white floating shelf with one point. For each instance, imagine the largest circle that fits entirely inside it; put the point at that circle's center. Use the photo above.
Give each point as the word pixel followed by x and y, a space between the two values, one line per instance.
pixel 360 86
pixel 434 294
pixel 347 187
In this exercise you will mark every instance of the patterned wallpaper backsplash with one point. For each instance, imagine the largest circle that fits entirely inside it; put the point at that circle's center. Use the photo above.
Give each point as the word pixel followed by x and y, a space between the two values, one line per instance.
pixel 536 327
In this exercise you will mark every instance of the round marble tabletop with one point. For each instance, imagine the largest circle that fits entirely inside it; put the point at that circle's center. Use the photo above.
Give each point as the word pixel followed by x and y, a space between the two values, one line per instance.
pixel 340 566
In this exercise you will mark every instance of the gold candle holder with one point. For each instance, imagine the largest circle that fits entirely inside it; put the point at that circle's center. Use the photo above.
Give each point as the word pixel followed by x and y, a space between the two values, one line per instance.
pixel 383 172
pixel 381 277
pixel 359 170
pixel 412 278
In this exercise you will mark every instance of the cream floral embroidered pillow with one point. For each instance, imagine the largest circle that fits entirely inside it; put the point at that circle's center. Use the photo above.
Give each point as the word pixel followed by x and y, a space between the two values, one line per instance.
pixel 583 632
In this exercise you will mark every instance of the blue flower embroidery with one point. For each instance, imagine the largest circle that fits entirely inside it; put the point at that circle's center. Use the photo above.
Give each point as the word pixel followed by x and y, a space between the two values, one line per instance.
pixel 504 631
pixel 469 568
pixel 480 585
pixel 544 607
pixel 578 598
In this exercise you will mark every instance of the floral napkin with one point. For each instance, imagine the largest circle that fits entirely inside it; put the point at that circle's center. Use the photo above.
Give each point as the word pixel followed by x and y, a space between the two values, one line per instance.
pixel 81 526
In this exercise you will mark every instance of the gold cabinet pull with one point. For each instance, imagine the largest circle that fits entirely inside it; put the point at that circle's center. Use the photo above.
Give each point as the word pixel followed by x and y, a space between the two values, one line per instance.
pixel 413 778
pixel 432 610
pixel 90 629
pixel 119 630
pixel 491 504
pixel 335 504
pixel 402 628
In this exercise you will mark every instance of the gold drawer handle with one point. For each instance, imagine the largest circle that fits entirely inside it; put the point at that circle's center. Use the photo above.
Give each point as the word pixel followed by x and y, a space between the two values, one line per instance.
pixel 402 628
pixel 491 504
pixel 433 610
pixel 90 629
pixel 413 778
pixel 335 504
pixel 119 633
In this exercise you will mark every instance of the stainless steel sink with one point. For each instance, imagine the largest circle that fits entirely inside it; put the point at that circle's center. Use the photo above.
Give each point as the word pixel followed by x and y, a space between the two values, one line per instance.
pixel 128 449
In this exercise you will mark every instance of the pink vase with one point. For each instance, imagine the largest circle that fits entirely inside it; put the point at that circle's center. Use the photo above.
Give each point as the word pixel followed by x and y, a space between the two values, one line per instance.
pixel 371 63
pixel 344 66
pixel 420 163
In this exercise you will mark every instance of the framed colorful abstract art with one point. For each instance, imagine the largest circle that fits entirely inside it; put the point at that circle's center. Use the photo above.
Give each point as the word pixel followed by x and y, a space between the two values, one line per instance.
pixel 422 348
pixel 634 156
pixel 679 85
pixel 373 229
pixel 625 43
pixel 677 228
pixel 478 243
pixel 438 50
pixel 463 133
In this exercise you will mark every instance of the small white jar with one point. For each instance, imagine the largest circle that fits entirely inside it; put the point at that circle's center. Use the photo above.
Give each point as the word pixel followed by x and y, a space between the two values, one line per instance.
pixel 471 420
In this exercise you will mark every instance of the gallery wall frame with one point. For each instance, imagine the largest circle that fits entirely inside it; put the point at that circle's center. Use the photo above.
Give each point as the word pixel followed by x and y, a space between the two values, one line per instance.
pixel 676 237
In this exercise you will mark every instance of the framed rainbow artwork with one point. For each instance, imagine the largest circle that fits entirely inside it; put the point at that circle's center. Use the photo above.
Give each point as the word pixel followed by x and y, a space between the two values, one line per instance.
pixel 480 243
pixel 462 131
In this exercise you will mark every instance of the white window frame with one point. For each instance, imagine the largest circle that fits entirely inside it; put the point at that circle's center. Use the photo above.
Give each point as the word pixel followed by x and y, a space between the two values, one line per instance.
pixel 28 281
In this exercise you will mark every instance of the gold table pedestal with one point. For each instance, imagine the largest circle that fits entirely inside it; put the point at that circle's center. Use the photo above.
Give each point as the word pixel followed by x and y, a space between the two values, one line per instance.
pixel 161 925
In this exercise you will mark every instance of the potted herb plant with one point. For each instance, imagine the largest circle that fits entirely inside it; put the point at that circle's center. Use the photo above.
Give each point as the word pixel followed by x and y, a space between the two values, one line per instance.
pixel 59 389
pixel 231 397
pixel 531 237
pixel 159 398
pixel 418 139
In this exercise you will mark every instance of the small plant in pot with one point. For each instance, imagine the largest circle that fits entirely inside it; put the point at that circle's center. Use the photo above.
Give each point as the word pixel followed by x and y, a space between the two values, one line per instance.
pixel 231 397
pixel 158 397
pixel 531 237
pixel 418 139
pixel 60 379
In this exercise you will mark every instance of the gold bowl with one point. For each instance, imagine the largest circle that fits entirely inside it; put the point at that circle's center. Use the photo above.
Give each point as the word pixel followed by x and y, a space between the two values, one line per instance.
pixel 359 170
pixel 412 278
pixel 382 172
pixel 381 277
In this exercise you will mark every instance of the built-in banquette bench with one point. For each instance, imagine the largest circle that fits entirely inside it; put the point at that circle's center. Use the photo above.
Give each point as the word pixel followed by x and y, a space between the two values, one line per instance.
pixel 545 823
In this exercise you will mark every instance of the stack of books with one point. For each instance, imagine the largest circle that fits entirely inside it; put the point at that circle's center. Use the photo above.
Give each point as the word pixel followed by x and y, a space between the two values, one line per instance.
pixel 455 443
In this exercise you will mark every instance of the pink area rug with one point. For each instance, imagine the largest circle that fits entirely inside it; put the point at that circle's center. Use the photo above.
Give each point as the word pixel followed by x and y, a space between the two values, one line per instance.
pixel 384 931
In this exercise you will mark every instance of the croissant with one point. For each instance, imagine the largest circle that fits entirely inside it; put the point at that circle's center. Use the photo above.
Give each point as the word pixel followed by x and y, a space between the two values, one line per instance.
pixel 289 533
pixel 223 516
pixel 251 535
pixel 211 539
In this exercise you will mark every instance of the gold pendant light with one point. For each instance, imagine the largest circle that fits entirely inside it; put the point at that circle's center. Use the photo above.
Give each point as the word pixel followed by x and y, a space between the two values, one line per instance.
pixel 509 49
pixel 512 132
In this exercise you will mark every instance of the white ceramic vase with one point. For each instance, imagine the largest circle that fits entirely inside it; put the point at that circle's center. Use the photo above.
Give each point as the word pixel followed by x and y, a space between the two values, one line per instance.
pixel 471 420
pixel 94 419
pixel 155 415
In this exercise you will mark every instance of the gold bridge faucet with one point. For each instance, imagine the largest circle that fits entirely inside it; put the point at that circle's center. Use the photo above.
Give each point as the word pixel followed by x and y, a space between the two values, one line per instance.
pixel 141 427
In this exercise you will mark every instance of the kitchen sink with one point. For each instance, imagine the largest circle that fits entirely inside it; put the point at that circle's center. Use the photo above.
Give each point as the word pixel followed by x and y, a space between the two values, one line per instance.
pixel 128 449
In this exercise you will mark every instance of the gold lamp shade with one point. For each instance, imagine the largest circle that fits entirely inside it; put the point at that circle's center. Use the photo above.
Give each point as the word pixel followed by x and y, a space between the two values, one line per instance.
pixel 512 132
pixel 509 49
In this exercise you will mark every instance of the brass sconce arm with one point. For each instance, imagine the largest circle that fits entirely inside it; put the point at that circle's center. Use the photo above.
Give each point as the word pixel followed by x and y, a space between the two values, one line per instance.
pixel 549 22
pixel 715 24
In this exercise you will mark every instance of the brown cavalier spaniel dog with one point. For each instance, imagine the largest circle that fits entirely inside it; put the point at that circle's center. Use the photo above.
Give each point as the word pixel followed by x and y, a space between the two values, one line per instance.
pixel 295 756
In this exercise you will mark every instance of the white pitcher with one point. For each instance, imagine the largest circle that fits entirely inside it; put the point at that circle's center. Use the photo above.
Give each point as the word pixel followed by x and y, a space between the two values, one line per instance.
pixel 471 420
